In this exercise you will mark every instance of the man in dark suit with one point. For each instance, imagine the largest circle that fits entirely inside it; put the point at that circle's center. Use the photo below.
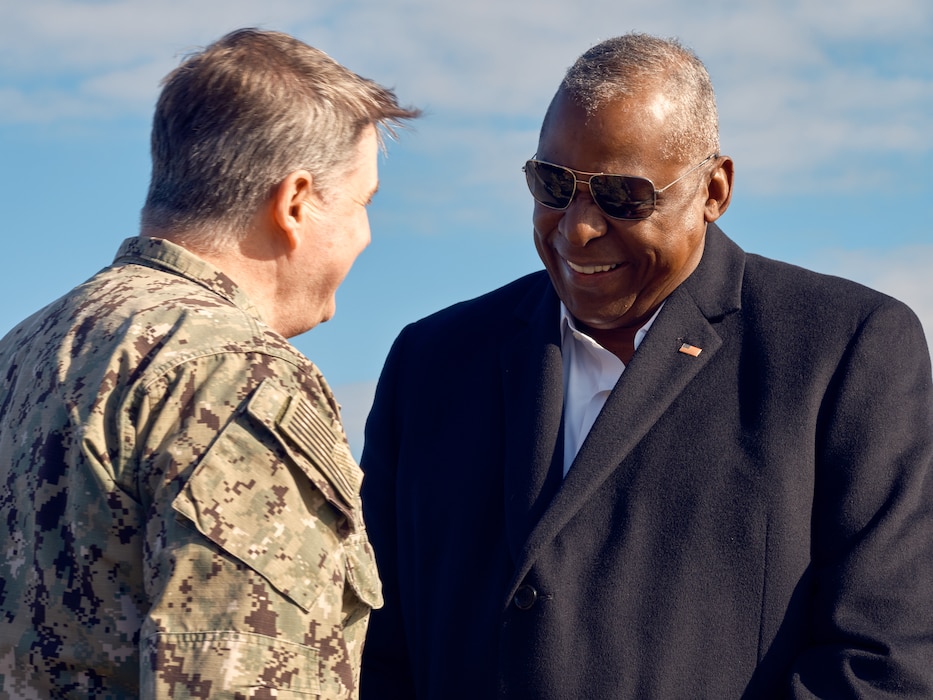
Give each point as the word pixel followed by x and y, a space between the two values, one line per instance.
pixel 665 468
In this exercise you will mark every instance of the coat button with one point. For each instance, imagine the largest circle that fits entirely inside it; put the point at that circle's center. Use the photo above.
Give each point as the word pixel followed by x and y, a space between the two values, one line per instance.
pixel 525 597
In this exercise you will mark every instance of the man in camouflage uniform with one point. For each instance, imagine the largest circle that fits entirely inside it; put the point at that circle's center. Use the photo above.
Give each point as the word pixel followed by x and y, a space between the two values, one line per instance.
pixel 179 510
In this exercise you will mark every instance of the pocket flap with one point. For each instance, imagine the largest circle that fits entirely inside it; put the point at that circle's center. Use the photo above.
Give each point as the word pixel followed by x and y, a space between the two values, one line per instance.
pixel 274 512
pixel 361 571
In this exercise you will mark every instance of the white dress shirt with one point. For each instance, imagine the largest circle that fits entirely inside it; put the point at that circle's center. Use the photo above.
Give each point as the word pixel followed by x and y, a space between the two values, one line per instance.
pixel 590 373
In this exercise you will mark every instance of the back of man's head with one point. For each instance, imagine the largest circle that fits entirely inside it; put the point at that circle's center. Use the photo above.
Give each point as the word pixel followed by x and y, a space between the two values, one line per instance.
pixel 237 117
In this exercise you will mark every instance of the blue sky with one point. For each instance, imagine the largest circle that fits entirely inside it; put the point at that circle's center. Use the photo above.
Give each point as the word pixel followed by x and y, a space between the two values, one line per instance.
pixel 826 108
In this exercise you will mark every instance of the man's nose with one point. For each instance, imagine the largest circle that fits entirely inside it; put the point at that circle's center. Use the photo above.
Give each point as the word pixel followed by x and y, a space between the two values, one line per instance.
pixel 582 220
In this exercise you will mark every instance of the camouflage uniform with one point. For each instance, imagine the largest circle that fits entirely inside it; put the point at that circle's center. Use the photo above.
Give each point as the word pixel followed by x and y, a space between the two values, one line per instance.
pixel 179 512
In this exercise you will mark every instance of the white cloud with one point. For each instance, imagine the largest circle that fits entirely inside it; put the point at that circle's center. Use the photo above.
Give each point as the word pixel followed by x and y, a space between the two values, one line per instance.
pixel 800 84
pixel 856 18
pixel 71 35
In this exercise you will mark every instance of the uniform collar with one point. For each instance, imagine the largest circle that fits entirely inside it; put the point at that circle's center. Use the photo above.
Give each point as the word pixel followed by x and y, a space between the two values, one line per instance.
pixel 162 254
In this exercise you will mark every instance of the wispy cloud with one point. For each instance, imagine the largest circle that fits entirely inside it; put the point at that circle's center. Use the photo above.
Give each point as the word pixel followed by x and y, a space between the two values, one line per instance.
pixel 800 84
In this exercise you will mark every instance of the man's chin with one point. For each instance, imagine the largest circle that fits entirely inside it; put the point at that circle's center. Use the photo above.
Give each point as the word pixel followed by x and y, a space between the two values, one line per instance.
pixel 328 313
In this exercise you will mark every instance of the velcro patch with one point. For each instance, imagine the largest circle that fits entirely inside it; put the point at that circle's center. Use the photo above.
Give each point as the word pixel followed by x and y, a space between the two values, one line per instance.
pixel 312 435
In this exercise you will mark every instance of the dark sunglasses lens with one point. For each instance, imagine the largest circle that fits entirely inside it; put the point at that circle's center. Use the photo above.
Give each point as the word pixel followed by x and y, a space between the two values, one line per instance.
pixel 550 185
pixel 623 196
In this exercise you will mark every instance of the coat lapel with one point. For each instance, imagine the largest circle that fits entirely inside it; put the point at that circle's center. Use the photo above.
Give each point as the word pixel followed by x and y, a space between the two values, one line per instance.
pixel 665 363
pixel 532 376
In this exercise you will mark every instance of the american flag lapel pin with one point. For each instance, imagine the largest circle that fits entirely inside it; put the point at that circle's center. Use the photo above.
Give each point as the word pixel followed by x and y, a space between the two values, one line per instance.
pixel 692 350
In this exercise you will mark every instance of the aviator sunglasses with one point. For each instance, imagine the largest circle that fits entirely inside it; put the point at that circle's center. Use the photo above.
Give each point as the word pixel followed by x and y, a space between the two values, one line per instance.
pixel 618 196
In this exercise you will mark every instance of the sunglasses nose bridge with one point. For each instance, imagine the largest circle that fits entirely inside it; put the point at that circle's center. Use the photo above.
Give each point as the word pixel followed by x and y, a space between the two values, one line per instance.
pixel 582 187
pixel 585 182
pixel 583 219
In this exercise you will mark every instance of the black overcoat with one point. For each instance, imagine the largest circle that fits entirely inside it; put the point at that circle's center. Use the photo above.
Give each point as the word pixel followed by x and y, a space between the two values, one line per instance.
pixel 752 521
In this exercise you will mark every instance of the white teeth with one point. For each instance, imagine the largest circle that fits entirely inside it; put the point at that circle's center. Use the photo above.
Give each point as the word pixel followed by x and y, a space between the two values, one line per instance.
pixel 591 269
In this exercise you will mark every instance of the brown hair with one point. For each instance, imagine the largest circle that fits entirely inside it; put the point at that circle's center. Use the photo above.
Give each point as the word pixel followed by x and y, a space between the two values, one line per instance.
pixel 236 118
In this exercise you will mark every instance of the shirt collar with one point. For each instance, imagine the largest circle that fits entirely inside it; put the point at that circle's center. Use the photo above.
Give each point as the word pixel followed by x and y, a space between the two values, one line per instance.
pixel 569 330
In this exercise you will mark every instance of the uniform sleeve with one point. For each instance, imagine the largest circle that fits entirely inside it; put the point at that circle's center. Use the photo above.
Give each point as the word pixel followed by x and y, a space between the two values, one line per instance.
pixel 386 668
pixel 871 632
pixel 256 560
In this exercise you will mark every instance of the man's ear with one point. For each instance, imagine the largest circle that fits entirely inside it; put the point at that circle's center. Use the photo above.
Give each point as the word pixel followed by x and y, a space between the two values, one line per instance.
pixel 293 204
pixel 719 189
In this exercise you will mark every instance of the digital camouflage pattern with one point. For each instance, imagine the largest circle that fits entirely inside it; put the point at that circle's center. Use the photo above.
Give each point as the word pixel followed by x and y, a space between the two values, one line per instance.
pixel 179 509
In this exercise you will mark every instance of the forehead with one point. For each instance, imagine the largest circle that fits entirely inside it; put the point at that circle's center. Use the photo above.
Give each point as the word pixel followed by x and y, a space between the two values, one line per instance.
pixel 622 132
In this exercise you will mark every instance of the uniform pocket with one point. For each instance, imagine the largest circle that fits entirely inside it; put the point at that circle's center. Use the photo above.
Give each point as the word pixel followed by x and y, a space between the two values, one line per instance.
pixel 278 500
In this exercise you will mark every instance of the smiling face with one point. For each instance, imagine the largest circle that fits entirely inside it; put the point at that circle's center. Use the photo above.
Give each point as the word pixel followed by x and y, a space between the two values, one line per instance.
pixel 612 274
pixel 339 229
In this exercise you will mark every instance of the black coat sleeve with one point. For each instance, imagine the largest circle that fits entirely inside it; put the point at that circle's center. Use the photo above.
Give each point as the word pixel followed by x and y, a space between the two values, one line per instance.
pixel 871 619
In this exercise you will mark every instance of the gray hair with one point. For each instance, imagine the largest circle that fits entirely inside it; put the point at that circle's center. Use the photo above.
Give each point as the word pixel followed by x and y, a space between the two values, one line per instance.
pixel 234 119
pixel 625 65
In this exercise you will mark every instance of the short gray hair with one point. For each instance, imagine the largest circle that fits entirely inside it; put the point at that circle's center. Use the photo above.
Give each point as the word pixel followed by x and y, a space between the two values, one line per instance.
pixel 625 65
pixel 234 119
